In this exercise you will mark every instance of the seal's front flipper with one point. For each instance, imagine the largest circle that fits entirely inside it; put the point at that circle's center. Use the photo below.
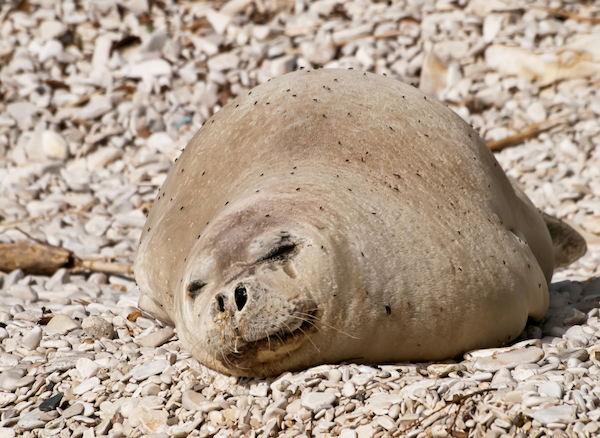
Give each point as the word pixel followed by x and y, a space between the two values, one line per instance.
pixel 154 308
pixel 567 243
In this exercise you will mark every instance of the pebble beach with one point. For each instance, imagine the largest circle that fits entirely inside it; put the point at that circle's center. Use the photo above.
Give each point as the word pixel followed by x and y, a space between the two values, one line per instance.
pixel 99 97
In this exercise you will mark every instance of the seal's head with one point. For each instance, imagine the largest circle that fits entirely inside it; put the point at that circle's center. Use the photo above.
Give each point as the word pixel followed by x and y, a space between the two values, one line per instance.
pixel 247 292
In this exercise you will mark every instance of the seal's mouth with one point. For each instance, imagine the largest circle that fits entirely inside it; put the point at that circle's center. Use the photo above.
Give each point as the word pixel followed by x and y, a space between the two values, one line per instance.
pixel 274 346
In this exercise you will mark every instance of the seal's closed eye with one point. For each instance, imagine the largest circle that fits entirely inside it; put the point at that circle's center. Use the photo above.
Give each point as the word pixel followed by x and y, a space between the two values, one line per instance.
pixel 278 252
pixel 194 288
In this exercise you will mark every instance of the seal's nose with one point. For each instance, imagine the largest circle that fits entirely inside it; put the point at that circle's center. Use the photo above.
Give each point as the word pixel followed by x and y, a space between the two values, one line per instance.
pixel 241 296
pixel 221 302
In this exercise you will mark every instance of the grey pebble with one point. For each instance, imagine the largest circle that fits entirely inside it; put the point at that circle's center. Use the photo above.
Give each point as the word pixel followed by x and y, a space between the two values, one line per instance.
pixel 97 327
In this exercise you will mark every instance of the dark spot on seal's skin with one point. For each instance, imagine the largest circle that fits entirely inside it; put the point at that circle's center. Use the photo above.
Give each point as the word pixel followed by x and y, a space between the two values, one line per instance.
pixel 249 93
pixel 194 288
pixel 298 189
pixel 255 102
pixel 388 310
pixel 227 203
pixel 261 174
pixel 324 116
pixel 426 135
pixel 182 170
pixel 391 128
pixel 181 208
pixel 540 285
pixel 148 229
pixel 362 254
pixel 267 215
pixel 199 236
pixel 175 160
pixel 293 95
pixel 237 105
pixel 203 173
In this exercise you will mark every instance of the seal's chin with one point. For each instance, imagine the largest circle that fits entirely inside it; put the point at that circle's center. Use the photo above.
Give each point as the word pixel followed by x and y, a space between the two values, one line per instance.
pixel 272 347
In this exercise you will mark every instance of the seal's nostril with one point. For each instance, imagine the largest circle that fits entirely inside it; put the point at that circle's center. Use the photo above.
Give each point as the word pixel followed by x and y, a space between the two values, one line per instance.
pixel 221 303
pixel 241 296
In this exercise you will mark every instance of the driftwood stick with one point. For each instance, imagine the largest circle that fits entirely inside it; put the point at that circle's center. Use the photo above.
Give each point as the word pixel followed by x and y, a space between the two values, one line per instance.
pixel 572 15
pixel 44 259
pixel 35 258
pixel 529 132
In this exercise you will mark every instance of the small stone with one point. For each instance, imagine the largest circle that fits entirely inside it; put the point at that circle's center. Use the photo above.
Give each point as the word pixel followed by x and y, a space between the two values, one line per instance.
pixel 142 372
pixel 259 390
pixel 192 400
pixel 386 422
pixel 554 414
pixel 536 112
pixel 442 370
pixel 7 398
pixel 348 433
pixel 52 49
pixel 509 359
pixel 96 107
pixel 51 403
pixel 24 292
pixel 552 389
pixel 381 403
pixel 364 431
pixel 223 62
pixel 218 21
pixel 87 368
pixel 154 421
pixel 86 385
pixel 71 411
pixel 157 338
pixel 54 146
pixel 50 29
pixel 7 432
pixel 32 339
pixel 10 377
pixel 152 67
pixel 348 390
pixel 98 327
pixel 31 420
pixel 60 324
pixel 316 401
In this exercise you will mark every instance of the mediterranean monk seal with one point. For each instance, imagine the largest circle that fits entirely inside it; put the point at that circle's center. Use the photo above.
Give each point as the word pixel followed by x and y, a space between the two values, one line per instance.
pixel 338 215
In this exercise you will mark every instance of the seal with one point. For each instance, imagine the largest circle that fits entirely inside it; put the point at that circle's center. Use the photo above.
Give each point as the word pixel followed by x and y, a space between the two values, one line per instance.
pixel 336 215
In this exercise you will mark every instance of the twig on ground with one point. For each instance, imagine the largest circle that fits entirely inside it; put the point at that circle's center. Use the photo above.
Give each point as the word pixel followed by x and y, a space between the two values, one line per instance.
pixel 572 15
pixel 529 132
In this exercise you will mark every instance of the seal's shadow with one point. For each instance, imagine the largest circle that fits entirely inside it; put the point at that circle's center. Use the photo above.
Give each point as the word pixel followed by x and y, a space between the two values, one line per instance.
pixel 572 304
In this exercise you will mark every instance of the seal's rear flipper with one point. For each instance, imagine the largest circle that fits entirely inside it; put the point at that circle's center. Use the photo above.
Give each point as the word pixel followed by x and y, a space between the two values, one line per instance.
pixel 567 243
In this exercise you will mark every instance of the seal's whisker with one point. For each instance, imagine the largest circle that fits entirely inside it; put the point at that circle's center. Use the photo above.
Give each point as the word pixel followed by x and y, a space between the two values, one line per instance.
pixel 324 323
